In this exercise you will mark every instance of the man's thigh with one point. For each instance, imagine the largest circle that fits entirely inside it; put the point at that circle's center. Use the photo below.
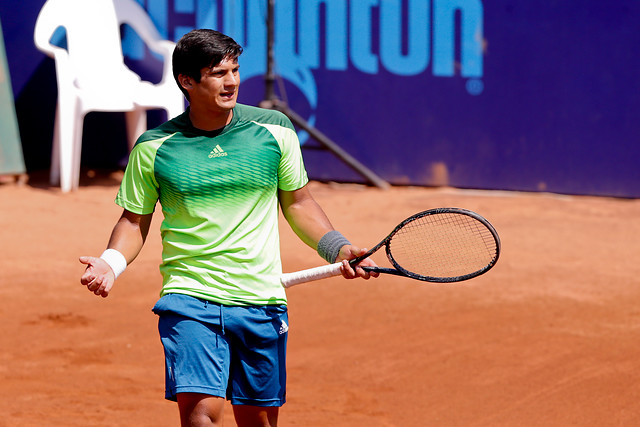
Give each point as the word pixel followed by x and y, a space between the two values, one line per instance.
pixel 197 357
pixel 258 340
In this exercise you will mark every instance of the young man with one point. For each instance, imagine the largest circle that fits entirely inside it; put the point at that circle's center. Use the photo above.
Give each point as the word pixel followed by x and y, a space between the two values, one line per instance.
pixel 219 171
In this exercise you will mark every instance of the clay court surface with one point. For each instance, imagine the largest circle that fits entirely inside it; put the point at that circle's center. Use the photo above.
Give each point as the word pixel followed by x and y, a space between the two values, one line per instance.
pixel 549 337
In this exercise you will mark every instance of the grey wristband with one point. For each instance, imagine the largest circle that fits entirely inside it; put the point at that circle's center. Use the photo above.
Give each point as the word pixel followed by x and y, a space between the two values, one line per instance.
pixel 330 244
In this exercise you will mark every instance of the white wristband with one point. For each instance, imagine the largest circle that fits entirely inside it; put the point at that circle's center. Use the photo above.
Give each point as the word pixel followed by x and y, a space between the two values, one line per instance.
pixel 116 261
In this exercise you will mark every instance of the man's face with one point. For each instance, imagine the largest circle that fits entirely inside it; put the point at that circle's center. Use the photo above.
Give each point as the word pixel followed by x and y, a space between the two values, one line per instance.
pixel 218 87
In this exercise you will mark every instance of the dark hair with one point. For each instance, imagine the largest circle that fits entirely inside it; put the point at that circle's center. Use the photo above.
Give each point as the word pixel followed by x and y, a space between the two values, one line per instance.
pixel 199 49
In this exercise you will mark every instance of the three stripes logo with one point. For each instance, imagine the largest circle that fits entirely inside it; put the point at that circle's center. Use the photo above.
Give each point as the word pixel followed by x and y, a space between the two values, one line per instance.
pixel 217 152
pixel 284 328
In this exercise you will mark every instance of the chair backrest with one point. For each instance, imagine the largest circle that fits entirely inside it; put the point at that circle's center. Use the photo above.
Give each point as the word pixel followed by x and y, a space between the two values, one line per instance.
pixel 92 34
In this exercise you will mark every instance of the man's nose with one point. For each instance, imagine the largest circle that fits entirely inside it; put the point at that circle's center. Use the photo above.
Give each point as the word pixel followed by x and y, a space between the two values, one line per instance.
pixel 231 79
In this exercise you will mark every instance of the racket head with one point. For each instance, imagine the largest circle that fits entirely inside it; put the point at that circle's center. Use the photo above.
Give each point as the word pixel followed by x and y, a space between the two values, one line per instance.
pixel 443 245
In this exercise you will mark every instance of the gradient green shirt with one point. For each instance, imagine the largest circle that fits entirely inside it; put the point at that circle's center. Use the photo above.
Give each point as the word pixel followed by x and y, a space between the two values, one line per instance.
pixel 219 196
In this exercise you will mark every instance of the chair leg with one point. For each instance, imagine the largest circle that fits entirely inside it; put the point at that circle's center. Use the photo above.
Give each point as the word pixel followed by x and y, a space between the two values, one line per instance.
pixel 77 150
pixel 176 108
pixel 70 137
pixel 136 125
pixel 54 173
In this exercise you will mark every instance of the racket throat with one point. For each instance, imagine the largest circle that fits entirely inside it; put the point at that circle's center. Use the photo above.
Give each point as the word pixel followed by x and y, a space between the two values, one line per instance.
pixel 383 270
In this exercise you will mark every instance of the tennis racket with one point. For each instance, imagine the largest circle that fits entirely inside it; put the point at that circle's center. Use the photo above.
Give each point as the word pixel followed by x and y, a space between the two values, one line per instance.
pixel 438 245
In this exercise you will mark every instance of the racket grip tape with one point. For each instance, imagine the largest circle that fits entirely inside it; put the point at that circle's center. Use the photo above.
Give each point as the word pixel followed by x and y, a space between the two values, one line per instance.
pixel 317 273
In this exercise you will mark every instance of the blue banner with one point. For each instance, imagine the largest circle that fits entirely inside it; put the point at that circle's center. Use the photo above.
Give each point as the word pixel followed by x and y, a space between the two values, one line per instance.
pixel 512 95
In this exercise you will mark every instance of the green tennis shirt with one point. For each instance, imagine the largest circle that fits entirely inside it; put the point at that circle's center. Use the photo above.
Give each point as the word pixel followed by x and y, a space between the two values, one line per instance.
pixel 219 196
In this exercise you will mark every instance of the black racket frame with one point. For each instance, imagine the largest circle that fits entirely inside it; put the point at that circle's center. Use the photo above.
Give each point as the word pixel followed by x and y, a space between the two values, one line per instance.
pixel 400 271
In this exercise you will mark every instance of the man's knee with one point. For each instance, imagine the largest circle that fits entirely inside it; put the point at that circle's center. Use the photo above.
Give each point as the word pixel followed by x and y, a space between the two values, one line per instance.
pixel 254 416
pixel 199 410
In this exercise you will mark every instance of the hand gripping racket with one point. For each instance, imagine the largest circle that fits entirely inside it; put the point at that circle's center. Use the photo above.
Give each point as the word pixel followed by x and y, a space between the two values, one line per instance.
pixel 438 245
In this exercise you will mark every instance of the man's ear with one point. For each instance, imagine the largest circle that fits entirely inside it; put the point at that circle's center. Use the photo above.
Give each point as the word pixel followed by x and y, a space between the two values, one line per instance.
pixel 185 81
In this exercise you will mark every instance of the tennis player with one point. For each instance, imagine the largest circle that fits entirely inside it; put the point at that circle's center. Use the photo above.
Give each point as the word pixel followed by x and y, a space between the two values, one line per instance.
pixel 220 170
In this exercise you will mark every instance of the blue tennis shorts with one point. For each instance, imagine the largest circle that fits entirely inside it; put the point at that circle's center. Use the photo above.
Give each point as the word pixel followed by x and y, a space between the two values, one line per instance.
pixel 237 352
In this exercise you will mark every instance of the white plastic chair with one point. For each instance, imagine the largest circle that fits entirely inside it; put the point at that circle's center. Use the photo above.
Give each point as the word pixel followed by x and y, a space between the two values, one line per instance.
pixel 92 76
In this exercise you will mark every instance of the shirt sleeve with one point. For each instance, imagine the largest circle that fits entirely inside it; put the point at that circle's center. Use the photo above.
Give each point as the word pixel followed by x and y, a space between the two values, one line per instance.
pixel 139 189
pixel 292 174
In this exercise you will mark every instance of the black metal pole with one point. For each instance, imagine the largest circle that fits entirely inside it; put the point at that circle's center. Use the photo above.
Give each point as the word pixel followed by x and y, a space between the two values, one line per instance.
pixel 270 76
pixel 271 101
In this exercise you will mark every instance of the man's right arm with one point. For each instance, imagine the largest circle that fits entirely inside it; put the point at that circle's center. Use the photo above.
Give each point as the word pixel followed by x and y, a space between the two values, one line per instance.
pixel 128 237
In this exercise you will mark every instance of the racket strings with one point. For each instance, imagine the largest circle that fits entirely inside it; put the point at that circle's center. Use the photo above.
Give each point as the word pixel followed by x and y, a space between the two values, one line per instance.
pixel 443 245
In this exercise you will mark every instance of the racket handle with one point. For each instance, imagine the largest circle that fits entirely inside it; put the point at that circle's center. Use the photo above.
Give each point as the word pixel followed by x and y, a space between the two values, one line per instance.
pixel 317 273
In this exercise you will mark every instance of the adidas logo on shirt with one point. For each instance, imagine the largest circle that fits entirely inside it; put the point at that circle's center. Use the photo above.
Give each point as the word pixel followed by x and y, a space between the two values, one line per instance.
pixel 217 152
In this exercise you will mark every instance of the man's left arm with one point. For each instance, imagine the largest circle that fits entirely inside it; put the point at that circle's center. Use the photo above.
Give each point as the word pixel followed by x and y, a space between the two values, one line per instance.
pixel 310 223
